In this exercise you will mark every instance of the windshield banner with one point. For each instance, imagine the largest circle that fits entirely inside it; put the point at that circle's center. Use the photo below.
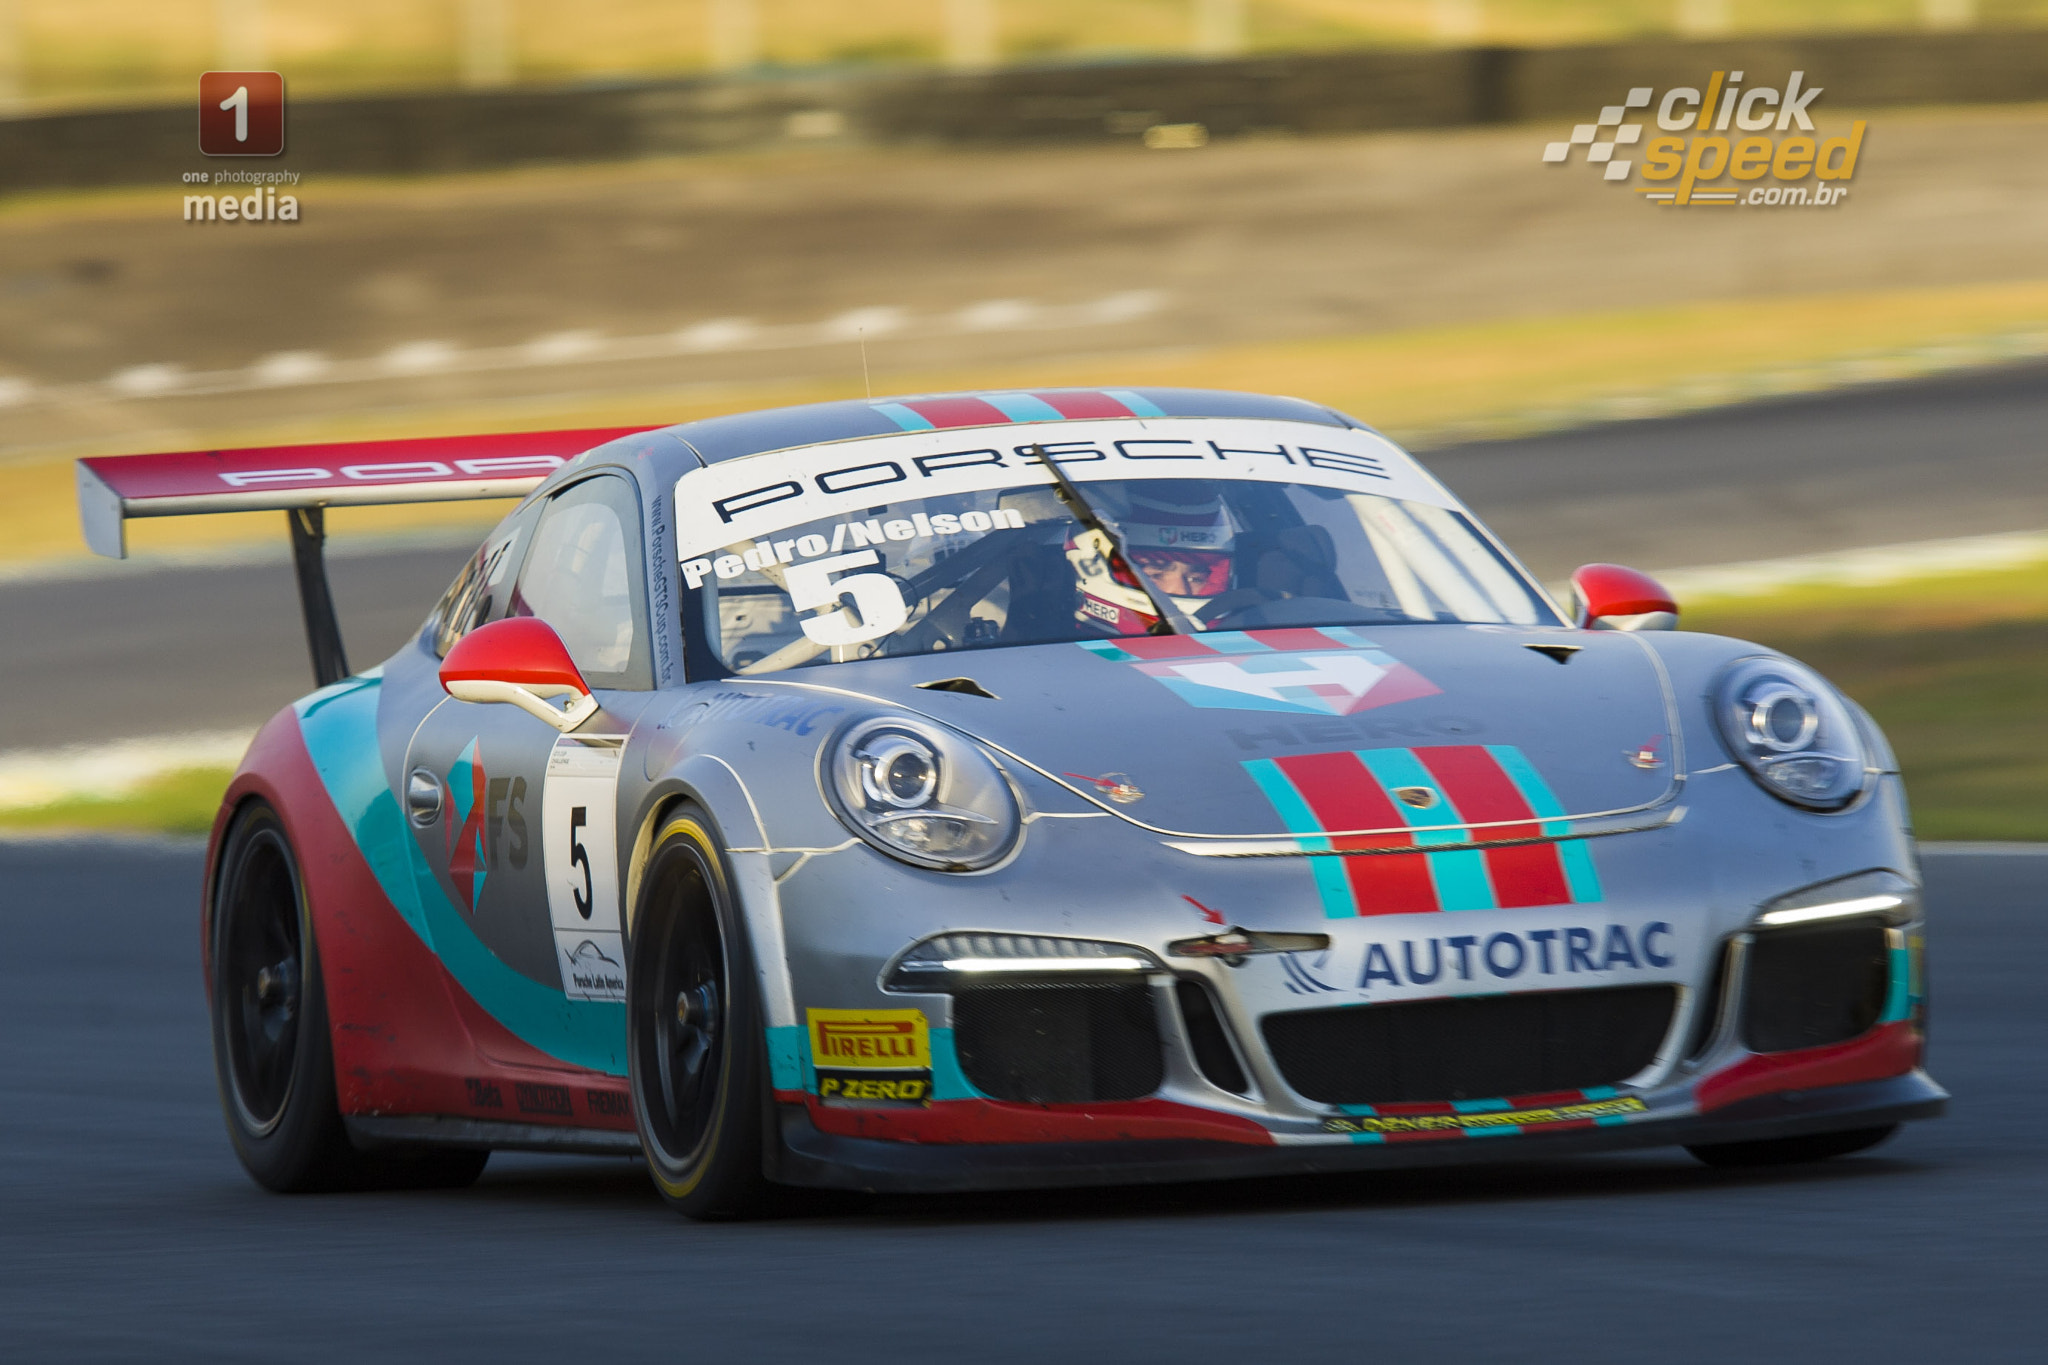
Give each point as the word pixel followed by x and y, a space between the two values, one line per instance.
pixel 749 499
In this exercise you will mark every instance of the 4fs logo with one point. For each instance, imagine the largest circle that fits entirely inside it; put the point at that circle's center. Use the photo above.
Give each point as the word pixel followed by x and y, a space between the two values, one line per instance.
pixel 1730 143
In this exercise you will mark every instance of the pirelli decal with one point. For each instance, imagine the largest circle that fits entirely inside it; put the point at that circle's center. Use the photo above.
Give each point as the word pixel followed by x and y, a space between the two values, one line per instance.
pixel 871 1056
pixel 1429 796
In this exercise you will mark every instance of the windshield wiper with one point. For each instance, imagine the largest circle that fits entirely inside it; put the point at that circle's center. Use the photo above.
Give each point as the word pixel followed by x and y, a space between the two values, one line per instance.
pixel 1171 619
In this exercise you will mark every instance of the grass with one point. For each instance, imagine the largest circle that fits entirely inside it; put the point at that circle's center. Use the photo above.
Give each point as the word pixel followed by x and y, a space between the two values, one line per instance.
pixel 1953 668
pixel 88 51
pixel 181 802
pixel 1956 671
pixel 1492 378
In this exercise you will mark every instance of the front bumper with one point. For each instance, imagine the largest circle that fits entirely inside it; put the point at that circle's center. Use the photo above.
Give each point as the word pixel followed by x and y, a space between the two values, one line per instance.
pixel 810 1157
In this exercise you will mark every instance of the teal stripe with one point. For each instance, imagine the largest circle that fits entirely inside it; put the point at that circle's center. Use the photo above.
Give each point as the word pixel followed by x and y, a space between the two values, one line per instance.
pixel 949 1081
pixel 1581 878
pixel 1332 884
pixel 1344 635
pixel 1234 642
pixel 1610 1121
pixel 1367 1137
pixel 1023 407
pixel 1108 651
pixel 1505 1130
pixel 1480 1106
pixel 1898 1000
pixel 1460 877
pixel 339 726
pixel 788 1045
pixel 903 417
pixel 1139 406
pixel 1600 1092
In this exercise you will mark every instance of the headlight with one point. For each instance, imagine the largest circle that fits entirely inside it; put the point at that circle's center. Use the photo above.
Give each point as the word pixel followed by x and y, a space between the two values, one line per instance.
pixel 922 794
pixel 1792 731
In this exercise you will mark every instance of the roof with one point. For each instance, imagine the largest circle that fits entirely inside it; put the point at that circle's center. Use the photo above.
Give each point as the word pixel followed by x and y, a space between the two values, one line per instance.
pixel 751 433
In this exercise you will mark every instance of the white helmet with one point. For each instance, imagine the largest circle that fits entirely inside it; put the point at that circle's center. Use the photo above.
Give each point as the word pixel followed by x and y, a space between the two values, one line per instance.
pixel 1177 532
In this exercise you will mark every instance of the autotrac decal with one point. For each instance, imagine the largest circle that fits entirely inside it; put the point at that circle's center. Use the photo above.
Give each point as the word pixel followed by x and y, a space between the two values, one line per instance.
pixel 748 501
pixel 1522 953
pixel 1602 1106
pixel 871 1056
pixel 1422 797
pixel 1326 671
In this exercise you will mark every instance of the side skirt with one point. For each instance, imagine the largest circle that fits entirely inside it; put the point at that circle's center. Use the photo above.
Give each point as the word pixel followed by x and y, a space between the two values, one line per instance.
pixel 371 1132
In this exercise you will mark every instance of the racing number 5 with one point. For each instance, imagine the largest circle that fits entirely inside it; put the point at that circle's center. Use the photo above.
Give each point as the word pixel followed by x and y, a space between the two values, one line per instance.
pixel 580 857
pixel 875 596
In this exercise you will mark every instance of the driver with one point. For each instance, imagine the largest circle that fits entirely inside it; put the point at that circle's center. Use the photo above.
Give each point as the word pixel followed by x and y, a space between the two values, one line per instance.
pixel 1178 534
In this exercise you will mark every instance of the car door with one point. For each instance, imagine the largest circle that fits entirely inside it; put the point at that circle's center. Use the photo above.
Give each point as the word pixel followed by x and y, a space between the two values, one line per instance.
pixel 526 836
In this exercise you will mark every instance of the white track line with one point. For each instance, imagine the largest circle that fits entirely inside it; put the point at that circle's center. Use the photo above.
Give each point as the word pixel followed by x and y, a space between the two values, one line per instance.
pixel 298 369
pixel 39 777
pixel 1872 566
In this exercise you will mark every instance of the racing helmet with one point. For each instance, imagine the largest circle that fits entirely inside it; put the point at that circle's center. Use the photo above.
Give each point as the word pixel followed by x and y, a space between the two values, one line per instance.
pixel 1178 533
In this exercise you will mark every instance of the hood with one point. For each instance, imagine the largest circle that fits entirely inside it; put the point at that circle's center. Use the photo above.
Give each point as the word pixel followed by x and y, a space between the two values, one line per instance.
pixel 1406 729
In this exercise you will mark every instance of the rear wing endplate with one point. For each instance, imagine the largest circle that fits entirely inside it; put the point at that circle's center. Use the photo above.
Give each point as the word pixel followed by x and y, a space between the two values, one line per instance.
pixel 303 481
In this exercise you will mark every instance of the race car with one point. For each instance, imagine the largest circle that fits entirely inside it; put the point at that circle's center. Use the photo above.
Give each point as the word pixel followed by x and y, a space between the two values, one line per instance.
pixel 1010 789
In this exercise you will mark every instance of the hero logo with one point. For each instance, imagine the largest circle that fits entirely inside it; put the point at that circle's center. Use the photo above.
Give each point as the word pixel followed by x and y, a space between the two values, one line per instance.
pixel 399 471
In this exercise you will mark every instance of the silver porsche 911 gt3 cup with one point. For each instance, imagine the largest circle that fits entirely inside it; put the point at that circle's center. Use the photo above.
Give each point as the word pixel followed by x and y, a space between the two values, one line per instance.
pixel 1014 789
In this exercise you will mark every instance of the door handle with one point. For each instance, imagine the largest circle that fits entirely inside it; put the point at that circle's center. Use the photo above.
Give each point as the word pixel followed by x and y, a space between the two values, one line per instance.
pixel 423 797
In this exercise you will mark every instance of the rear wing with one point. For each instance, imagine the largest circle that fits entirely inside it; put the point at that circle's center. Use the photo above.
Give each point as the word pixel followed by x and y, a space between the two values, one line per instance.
pixel 303 481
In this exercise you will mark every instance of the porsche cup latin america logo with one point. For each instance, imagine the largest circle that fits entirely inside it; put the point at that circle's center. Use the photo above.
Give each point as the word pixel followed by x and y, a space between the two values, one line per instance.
pixel 871 1056
pixel 1722 144
pixel 1329 671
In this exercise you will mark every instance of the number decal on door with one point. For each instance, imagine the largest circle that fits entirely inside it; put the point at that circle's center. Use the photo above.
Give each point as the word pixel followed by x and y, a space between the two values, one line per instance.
pixel 579 839
pixel 580 857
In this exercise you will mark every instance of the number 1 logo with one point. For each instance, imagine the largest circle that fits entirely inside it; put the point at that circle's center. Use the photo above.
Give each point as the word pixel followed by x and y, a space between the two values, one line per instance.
pixel 241 113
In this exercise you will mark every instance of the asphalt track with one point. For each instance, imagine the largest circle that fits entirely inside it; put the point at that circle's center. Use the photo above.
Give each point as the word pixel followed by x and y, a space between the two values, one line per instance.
pixel 142 651
pixel 127 1231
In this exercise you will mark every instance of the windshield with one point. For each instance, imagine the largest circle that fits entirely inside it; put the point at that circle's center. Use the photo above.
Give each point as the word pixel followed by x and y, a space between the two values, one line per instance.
pixel 1010 565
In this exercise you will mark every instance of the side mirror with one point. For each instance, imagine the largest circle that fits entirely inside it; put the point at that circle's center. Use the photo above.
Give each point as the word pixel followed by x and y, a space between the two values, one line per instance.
pixel 521 660
pixel 1610 597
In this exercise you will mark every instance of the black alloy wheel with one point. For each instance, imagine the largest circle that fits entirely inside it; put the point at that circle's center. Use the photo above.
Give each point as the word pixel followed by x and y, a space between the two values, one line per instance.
pixel 273 1056
pixel 695 1047
pixel 1792 1150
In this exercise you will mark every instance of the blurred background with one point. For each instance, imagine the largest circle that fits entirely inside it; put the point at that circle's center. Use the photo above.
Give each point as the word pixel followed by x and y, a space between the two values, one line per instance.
pixel 1821 425
pixel 57 52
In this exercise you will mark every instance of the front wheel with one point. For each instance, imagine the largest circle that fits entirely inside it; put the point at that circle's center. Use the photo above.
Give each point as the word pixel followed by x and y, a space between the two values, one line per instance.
pixel 1792 1150
pixel 694 1031
pixel 273 1057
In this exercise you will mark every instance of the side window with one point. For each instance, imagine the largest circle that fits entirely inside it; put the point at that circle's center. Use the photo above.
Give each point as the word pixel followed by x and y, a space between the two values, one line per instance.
pixel 478 592
pixel 584 577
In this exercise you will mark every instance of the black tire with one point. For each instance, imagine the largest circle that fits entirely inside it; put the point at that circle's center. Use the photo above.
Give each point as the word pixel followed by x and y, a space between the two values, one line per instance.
pixel 696 1052
pixel 1792 1150
pixel 273 1057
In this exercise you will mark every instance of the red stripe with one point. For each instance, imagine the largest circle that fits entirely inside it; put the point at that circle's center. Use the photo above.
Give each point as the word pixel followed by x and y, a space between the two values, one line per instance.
pixel 1297 638
pixel 1887 1051
pixel 1344 795
pixel 1550 1101
pixel 1530 874
pixel 1156 647
pixel 958 412
pixel 1083 403
pixel 1408 1109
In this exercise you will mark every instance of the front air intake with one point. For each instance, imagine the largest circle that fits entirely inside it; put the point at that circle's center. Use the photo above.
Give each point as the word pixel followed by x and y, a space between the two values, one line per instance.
pixel 1808 987
pixel 1478 1048
pixel 1059 1044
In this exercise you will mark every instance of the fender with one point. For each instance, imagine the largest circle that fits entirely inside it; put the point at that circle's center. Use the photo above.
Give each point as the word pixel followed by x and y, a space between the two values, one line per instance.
pixel 406 1034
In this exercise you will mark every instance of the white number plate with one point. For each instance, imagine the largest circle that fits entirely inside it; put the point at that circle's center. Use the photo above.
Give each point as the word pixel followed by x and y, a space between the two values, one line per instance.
pixel 579 840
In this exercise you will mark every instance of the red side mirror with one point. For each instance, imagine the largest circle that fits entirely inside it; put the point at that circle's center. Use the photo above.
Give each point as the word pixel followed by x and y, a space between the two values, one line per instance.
pixel 1610 597
pixel 518 660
